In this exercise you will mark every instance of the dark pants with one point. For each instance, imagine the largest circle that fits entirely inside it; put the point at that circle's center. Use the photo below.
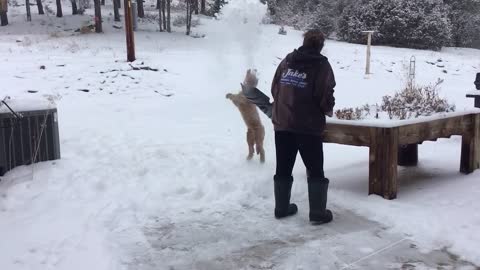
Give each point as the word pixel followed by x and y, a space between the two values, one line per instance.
pixel 288 144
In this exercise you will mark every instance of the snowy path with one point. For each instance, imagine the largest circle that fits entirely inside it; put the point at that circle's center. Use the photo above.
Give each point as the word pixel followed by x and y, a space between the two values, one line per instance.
pixel 153 172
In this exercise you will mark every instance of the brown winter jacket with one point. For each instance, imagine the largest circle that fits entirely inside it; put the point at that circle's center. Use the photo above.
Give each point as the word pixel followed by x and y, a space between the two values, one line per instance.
pixel 302 90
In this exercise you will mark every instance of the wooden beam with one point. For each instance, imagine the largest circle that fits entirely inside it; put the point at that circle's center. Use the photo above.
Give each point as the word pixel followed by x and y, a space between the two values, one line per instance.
pixel 347 134
pixel 470 155
pixel 433 130
pixel 383 162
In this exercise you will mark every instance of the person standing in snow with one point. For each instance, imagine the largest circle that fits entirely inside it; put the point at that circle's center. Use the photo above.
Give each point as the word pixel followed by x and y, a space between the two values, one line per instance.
pixel 302 90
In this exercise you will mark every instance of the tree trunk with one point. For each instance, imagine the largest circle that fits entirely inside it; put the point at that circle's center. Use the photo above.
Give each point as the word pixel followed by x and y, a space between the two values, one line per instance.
pixel 29 14
pixel 190 7
pixel 103 2
pixel 74 7
pixel 116 12
pixel 202 7
pixel 3 18
pixel 40 7
pixel 169 25
pixel 164 17
pixel 159 4
pixel 141 11
pixel 59 9
pixel 196 7
pixel 160 23
pixel 98 16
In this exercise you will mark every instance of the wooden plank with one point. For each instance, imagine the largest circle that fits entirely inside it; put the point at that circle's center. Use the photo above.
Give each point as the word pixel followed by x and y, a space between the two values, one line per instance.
pixel 433 130
pixel 470 155
pixel 383 162
pixel 347 134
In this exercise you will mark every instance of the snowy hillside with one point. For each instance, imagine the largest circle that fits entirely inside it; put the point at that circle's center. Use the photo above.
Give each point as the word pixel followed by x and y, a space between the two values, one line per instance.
pixel 153 172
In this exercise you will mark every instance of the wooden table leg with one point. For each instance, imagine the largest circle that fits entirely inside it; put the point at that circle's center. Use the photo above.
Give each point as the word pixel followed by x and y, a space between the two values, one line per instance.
pixel 470 157
pixel 383 162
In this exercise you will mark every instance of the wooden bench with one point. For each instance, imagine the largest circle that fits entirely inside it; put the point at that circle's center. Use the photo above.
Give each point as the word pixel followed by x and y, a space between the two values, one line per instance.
pixel 385 139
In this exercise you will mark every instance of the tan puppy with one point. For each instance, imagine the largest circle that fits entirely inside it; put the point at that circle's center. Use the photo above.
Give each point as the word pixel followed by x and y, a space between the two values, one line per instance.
pixel 256 131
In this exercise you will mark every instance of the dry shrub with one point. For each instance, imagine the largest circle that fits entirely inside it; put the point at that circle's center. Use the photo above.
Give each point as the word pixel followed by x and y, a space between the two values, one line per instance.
pixel 412 102
pixel 415 101
pixel 358 113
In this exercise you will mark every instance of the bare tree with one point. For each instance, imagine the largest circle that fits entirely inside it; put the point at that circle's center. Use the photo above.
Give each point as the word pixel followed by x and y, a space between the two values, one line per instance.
pixel 98 16
pixel 169 25
pixel 164 17
pixel 159 4
pixel 74 7
pixel 3 12
pixel 40 7
pixel 196 6
pixel 103 2
pixel 141 11
pixel 29 14
pixel 160 22
pixel 59 8
pixel 203 7
pixel 190 9
pixel 116 12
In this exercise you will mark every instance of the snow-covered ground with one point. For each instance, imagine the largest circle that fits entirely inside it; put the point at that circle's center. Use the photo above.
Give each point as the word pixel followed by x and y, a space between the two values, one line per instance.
pixel 153 172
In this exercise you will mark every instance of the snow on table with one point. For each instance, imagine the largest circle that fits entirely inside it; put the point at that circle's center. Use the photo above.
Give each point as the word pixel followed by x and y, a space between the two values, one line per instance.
pixel 389 123
pixel 384 137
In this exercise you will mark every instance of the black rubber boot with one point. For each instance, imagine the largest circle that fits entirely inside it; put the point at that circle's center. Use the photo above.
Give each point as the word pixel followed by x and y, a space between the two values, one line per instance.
pixel 282 189
pixel 317 197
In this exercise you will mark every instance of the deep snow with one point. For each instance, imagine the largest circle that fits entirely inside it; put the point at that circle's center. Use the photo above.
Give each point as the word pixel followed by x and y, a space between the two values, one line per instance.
pixel 153 172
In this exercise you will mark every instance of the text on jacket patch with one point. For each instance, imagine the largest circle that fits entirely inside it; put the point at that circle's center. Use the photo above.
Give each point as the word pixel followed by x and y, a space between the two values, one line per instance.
pixel 294 78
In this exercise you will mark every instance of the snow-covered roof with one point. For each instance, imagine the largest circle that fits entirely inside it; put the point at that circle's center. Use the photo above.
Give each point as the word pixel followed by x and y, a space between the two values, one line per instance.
pixel 25 105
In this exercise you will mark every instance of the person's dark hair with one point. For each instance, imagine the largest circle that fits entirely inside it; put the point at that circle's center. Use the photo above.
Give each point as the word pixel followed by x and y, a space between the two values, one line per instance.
pixel 314 39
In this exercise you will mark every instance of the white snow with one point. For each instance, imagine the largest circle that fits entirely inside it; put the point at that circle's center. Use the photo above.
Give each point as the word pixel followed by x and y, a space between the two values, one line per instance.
pixel 24 104
pixel 153 172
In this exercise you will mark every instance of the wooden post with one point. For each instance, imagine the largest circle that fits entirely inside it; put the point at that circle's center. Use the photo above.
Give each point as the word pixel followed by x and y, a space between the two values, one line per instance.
pixel 3 12
pixel 98 16
pixel 369 45
pixel 29 14
pixel 470 156
pixel 383 162
pixel 129 31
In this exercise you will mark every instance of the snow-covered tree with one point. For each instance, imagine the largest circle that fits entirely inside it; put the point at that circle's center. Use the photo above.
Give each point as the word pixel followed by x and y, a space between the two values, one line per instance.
pixel 422 24
pixel 465 18
pixel 305 14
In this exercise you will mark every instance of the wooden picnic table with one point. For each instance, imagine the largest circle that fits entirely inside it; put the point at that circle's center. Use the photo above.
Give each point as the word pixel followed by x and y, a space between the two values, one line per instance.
pixel 385 138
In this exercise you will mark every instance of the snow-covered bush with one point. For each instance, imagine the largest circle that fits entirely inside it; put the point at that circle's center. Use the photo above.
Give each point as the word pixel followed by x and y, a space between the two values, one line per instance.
pixel 412 102
pixel 180 21
pixel 422 24
pixel 415 101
